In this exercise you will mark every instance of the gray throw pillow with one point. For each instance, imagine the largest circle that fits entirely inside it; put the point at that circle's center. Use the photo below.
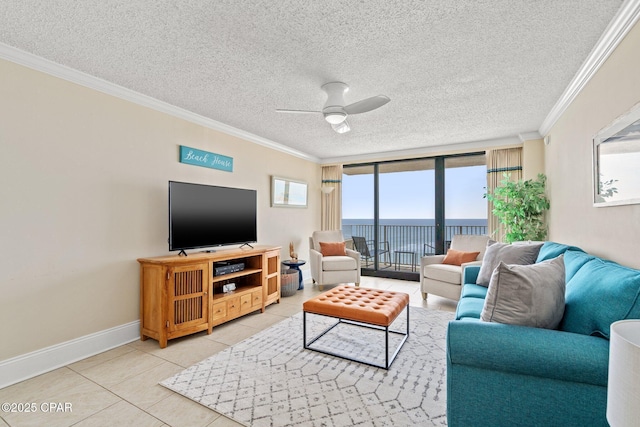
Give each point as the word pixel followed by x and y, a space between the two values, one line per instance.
pixel 509 254
pixel 526 295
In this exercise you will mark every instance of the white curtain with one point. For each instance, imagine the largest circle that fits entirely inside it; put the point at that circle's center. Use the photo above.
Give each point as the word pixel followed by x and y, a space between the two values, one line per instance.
pixel 507 160
pixel 331 205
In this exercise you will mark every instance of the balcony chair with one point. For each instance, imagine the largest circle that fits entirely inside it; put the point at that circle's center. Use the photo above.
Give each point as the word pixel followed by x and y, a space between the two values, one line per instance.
pixel 332 269
pixel 429 249
pixel 361 245
pixel 446 279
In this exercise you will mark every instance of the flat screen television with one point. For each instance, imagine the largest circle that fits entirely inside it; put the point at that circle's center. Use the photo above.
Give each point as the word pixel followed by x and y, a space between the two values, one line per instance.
pixel 202 216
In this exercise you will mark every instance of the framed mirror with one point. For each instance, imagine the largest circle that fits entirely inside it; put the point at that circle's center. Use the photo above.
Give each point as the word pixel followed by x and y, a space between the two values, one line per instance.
pixel 288 193
pixel 616 162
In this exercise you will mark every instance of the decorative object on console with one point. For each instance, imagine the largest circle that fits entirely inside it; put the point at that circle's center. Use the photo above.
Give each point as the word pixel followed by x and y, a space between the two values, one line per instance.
pixel 520 206
pixel 623 392
pixel 292 254
pixel 228 287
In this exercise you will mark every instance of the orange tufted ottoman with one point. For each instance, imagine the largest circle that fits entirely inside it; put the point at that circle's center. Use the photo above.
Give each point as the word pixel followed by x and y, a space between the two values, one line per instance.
pixel 371 308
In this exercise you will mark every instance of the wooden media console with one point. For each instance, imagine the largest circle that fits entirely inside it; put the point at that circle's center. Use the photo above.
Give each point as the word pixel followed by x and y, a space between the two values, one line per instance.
pixel 180 295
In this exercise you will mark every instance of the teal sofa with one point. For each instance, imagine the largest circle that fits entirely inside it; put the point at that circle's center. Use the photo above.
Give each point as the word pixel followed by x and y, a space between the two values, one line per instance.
pixel 507 375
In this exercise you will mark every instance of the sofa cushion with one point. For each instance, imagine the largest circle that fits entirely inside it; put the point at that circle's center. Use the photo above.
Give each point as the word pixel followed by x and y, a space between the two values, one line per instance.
pixel 455 257
pixel 470 274
pixel 473 291
pixel 600 293
pixel 443 272
pixel 526 295
pixel 333 248
pixel 509 254
pixel 338 263
pixel 573 261
pixel 469 308
pixel 550 250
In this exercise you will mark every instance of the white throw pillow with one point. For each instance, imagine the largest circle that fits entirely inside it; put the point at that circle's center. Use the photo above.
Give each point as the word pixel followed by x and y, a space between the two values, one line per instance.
pixel 526 295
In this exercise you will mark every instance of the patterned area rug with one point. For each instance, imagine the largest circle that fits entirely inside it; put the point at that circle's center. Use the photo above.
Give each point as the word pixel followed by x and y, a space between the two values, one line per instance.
pixel 270 380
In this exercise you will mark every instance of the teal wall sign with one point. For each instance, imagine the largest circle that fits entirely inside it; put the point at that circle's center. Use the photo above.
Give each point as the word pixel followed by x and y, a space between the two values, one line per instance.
pixel 193 156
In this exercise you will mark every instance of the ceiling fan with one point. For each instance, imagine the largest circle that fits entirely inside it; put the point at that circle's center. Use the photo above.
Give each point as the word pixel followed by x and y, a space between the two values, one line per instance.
pixel 334 110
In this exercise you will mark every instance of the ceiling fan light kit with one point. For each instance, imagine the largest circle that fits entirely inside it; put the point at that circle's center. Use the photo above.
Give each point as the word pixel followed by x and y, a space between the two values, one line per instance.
pixel 335 118
pixel 341 127
pixel 335 111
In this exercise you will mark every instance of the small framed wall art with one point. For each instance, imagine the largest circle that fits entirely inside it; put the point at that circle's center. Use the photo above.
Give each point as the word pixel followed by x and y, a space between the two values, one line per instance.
pixel 288 193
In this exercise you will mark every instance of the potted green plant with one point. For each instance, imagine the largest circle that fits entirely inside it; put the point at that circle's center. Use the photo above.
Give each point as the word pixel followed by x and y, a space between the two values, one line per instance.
pixel 520 206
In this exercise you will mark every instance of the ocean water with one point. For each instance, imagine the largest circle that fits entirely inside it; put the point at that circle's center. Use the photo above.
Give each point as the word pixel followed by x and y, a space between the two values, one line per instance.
pixel 480 222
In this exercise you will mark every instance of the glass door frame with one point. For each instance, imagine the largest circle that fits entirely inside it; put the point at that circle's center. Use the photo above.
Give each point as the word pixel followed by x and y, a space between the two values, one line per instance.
pixel 440 229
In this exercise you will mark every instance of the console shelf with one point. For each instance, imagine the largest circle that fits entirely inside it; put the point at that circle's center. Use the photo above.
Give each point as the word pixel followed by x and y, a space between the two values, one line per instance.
pixel 230 276
pixel 180 295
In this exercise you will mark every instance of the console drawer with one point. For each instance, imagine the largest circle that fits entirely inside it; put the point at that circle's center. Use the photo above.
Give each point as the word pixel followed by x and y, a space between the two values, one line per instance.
pixel 219 311
pixel 233 306
pixel 256 298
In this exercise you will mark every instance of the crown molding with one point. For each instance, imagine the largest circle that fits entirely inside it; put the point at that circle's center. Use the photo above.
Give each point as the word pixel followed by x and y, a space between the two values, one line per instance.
pixel 433 150
pixel 618 28
pixel 529 136
pixel 46 66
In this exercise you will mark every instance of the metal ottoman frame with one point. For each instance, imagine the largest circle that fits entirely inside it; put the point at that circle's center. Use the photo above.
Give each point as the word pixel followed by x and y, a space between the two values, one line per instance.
pixel 388 360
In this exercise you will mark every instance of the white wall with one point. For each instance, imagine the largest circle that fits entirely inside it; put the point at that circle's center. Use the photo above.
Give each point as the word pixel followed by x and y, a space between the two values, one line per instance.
pixel 84 193
pixel 611 232
pixel 532 158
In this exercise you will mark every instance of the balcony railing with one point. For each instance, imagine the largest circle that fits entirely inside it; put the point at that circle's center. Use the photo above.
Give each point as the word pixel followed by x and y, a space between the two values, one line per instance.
pixel 404 240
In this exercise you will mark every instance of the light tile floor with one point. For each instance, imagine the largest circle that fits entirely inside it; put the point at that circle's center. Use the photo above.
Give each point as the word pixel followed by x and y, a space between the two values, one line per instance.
pixel 120 387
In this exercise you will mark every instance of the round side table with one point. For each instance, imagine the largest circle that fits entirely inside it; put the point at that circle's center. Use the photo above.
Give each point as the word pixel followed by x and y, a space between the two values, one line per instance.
pixel 295 264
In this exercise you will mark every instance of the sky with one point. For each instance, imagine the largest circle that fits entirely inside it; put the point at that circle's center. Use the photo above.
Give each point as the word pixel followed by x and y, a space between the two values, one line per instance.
pixel 410 195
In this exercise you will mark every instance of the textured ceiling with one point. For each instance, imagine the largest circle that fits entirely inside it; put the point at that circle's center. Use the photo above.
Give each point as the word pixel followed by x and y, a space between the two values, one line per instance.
pixel 456 71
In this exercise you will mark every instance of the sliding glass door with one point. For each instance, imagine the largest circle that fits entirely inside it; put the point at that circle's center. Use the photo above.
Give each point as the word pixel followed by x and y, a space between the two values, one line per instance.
pixel 358 208
pixel 396 212
pixel 465 207
pixel 406 212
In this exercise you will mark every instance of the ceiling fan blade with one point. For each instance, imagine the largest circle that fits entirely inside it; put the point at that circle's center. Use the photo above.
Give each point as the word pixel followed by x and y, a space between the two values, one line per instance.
pixel 280 110
pixel 366 104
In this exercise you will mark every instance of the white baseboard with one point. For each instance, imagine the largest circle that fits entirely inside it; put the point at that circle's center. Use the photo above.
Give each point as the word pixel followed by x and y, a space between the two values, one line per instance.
pixel 47 359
